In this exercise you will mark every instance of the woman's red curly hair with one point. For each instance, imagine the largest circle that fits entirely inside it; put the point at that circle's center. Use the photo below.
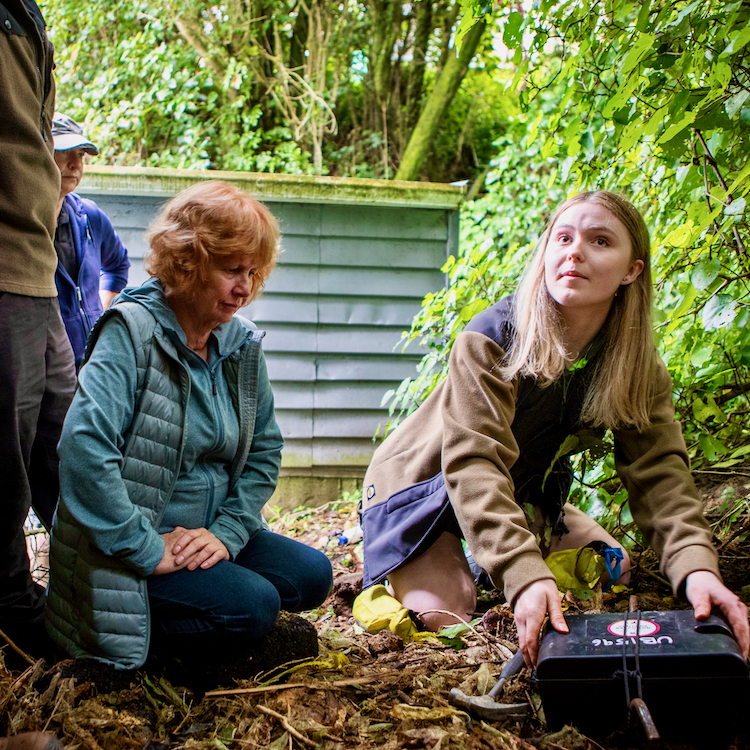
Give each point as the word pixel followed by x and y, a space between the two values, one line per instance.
pixel 209 220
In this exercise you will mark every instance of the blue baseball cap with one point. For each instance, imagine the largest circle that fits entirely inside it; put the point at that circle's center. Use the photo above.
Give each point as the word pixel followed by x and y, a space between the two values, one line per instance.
pixel 68 134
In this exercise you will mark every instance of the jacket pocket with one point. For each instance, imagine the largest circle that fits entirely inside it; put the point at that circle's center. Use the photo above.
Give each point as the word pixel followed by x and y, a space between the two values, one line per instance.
pixel 402 527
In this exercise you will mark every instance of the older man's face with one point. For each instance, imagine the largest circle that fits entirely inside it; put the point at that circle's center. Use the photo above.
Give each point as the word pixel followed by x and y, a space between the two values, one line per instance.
pixel 70 164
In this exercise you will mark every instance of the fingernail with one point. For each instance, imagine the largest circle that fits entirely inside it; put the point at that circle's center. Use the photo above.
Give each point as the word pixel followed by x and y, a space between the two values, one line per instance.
pixel 179 560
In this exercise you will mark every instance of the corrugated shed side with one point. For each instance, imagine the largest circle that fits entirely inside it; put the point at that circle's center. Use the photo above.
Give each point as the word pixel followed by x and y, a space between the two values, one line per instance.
pixel 349 281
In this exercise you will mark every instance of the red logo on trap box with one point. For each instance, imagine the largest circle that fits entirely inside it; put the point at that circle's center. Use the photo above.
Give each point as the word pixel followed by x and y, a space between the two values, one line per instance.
pixel 645 628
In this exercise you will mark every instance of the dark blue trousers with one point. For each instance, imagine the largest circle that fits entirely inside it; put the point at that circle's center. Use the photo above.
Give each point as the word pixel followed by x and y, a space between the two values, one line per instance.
pixel 238 601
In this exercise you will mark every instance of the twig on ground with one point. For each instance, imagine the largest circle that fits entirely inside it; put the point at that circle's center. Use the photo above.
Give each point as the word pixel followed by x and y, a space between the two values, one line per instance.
pixel 58 700
pixel 498 647
pixel 289 728
pixel 290 685
pixel 21 653
pixel 734 535
pixel 651 574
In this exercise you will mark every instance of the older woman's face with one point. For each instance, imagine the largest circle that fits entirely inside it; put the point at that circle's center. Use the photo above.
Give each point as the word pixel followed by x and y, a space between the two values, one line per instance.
pixel 228 288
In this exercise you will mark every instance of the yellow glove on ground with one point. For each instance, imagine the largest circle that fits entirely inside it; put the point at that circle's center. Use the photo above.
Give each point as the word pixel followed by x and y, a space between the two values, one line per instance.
pixel 576 569
pixel 376 610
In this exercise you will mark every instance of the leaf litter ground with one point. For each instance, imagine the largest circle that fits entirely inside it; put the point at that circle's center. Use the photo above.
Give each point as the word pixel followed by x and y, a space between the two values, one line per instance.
pixel 361 691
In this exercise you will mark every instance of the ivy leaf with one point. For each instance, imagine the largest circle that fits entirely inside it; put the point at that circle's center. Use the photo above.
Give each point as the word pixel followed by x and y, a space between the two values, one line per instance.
pixel 638 51
pixel 734 105
pixel 736 207
pixel 705 273
pixel 719 312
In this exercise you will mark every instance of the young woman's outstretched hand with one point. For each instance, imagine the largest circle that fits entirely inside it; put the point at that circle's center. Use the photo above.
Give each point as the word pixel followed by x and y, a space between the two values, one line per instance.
pixel 532 606
pixel 705 591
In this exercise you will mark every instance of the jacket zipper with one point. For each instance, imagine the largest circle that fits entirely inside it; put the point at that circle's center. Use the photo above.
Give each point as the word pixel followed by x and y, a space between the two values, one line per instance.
pixel 211 493
pixel 217 409
pixel 217 443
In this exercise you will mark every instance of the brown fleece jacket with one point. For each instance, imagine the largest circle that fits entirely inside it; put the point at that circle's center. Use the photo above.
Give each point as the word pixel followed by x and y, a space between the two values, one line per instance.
pixel 465 428
pixel 29 178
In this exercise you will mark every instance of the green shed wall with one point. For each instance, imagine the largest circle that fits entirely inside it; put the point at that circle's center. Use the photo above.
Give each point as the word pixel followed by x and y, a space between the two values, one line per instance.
pixel 358 257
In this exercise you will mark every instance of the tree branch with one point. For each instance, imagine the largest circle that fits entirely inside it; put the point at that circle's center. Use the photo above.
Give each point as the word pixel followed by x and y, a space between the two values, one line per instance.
pixel 709 159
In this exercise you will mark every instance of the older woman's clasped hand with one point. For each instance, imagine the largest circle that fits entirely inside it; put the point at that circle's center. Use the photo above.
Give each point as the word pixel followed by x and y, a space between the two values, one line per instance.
pixel 190 548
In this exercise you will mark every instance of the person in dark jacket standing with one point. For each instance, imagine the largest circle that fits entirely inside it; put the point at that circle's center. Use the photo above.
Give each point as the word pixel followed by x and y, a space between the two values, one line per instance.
pixel 92 261
pixel 37 378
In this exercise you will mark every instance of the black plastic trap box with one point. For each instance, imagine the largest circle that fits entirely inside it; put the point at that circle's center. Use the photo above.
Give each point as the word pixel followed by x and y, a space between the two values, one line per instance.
pixel 692 674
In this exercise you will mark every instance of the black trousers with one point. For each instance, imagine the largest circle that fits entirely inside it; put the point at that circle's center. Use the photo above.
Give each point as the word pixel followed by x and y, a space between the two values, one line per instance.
pixel 37 382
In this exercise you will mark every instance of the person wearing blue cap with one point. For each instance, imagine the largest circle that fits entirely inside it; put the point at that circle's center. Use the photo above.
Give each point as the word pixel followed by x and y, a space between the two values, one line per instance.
pixel 92 261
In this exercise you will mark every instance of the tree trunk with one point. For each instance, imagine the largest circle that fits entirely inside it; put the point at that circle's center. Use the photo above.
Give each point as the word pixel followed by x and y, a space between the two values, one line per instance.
pixel 437 104
pixel 298 42
pixel 385 18
pixel 423 27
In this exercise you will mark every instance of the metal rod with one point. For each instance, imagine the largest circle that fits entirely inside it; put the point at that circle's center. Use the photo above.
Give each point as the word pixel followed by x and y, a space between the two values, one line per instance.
pixel 647 722
pixel 625 661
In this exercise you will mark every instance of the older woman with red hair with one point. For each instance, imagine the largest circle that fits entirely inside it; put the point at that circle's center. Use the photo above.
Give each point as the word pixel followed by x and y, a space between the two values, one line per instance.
pixel 171 449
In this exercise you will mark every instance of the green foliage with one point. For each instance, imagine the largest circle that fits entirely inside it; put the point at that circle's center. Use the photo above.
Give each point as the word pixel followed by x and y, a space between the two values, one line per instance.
pixel 149 99
pixel 266 86
pixel 652 99
pixel 497 234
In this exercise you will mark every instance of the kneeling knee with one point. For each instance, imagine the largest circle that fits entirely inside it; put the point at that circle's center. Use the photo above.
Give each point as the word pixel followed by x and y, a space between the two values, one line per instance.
pixel 318 582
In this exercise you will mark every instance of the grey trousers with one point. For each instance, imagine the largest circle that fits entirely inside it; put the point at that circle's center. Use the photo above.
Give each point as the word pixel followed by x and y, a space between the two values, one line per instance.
pixel 37 382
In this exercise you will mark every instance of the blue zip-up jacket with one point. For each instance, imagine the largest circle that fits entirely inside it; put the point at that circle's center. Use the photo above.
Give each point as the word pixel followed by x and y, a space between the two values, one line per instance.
pixel 103 264
pixel 130 470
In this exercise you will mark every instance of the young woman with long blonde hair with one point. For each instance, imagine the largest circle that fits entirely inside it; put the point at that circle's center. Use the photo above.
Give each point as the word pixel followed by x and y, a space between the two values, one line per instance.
pixel 572 349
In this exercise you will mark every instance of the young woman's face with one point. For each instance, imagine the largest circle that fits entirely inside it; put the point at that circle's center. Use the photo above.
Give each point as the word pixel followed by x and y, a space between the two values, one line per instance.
pixel 589 256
